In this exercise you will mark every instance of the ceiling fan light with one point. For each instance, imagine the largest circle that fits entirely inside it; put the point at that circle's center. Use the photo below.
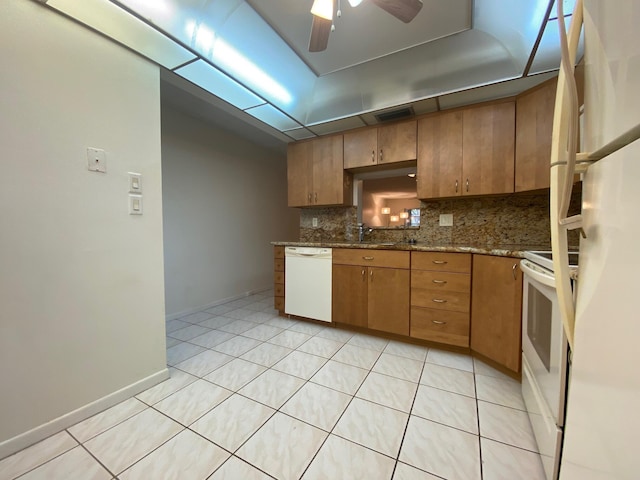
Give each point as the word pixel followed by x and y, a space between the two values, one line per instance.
pixel 323 9
pixel 355 3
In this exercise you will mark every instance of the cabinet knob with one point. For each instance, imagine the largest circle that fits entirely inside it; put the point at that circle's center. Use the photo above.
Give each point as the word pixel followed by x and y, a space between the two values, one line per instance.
pixel 371 274
pixel 439 262
pixel 309 198
pixel 439 300
pixel 456 186
pixel 440 282
pixel 316 198
pixel 373 156
pixel 367 258
pixel 381 155
pixel 437 322
pixel 513 271
pixel 467 184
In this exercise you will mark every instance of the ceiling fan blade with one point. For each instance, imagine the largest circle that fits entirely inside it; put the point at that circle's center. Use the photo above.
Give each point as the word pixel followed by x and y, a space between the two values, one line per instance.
pixel 405 10
pixel 320 30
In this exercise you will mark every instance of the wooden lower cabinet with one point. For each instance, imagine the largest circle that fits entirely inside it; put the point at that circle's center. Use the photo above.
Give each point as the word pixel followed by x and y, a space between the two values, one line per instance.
pixel 349 295
pixel 496 310
pixel 440 297
pixel 388 300
pixel 366 294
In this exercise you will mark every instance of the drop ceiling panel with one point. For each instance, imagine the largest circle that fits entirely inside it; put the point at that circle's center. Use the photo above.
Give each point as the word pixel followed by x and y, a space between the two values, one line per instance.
pixel 493 91
pixel 300 134
pixel 117 24
pixel 337 125
pixel 215 82
pixel 272 116
pixel 362 33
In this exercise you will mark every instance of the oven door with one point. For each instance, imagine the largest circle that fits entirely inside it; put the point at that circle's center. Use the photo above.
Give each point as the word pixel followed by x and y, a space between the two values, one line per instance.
pixel 544 343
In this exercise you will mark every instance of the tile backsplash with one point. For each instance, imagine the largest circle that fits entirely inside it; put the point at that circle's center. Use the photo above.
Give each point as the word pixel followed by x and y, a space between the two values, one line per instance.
pixel 488 221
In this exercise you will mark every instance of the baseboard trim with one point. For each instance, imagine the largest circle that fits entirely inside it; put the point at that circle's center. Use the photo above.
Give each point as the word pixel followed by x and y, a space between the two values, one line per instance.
pixel 189 311
pixel 26 439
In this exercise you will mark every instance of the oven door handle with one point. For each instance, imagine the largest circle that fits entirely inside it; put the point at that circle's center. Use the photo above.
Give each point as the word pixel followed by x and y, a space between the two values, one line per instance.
pixel 537 274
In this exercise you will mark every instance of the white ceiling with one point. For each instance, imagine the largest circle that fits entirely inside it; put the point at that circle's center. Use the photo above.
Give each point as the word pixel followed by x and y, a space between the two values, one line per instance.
pixel 248 58
pixel 362 33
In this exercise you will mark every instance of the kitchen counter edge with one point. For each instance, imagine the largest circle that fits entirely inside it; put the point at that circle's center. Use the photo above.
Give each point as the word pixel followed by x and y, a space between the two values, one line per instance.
pixel 502 251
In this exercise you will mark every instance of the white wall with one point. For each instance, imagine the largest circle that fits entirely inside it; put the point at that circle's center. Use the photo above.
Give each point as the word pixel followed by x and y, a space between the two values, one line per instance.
pixel 81 281
pixel 225 200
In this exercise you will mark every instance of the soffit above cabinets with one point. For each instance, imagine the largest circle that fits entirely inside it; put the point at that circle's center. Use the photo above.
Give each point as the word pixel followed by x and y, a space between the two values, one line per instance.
pixel 252 55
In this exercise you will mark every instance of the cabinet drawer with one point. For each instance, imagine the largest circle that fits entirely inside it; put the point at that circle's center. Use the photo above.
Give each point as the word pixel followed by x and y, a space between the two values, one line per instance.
pixel 371 257
pixel 441 300
pixel 278 277
pixel 278 265
pixel 441 281
pixel 278 252
pixel 441 262
pixel 440 326
pixel 278 303
pixel 278 289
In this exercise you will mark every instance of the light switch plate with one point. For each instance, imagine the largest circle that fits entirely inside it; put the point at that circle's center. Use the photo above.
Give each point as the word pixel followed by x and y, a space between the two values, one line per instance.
pixel 446 220
pixel 135 183
pixel 96 160
pixel 135 204
pixel 314 222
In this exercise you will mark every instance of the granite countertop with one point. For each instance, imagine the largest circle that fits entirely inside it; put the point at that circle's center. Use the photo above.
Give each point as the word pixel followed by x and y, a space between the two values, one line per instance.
pixel 498 250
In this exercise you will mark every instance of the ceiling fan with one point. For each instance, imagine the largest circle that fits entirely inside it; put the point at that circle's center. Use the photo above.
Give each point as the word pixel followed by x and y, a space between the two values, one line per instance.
pixel 322 11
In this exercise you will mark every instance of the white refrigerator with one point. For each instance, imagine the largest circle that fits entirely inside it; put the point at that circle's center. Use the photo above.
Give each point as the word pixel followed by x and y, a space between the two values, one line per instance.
pixel 602 429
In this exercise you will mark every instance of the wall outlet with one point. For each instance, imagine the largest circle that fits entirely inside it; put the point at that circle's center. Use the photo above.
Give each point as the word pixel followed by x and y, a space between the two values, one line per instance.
pixel 96 160
pixel 314 222
pixel 446 220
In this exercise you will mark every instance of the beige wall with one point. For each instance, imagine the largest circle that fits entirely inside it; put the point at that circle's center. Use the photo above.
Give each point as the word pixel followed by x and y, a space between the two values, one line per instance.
pixel 225 200
pixel 81 282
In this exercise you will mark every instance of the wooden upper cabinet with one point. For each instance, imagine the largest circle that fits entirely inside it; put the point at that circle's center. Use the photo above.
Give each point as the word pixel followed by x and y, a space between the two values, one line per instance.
pixel 534 126
pixel 496 309
pixel 488 145
pixel 397 142
pixel 315 173
pixel 361 148
pixel 299 179
pixel 440 155
pixel 385 144
pixel 330 182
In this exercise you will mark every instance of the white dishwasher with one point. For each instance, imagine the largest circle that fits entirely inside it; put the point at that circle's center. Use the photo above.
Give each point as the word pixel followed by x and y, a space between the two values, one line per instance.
pixel 307 291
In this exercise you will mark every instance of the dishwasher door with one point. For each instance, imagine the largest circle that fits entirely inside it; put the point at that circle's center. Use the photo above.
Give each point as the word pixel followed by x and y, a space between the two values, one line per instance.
pixel 307 282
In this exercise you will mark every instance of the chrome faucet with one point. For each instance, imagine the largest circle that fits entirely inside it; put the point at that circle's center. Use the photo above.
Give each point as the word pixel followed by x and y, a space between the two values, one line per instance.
pixel 362 231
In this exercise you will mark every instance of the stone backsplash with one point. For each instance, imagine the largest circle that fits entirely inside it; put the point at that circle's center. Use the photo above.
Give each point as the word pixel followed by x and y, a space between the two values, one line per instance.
pixel 489 221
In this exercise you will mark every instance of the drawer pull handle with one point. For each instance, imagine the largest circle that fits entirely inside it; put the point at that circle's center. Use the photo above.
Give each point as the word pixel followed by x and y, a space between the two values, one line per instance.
pixel 438 322
pixel 367 258
pixel 363 274
pixel 440 262
pixel 513 270
pixel 441 282
pixel 439 300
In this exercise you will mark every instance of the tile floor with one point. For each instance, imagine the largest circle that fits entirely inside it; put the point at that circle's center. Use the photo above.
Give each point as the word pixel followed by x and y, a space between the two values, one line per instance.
pixel 256 396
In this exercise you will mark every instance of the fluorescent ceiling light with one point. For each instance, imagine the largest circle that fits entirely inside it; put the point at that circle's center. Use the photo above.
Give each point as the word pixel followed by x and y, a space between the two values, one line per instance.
pixel 323 9
pixel 355 3
pixel 232 61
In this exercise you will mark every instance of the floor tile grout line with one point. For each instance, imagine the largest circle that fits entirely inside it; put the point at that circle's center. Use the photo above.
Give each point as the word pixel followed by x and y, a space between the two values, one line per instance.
pixel 475 387
pixel 46 461
pixel 82 444
pixel 406 427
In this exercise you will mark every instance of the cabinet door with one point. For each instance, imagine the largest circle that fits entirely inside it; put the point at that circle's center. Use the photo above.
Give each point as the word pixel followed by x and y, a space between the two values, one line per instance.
pixel 496 309
pixel 361 148
pixel 349 295
pixel 534 125
pixel 329 178
pixel 397 142
pixel 440 155
pixel 389 300
pixel 299 158
pixel 488 149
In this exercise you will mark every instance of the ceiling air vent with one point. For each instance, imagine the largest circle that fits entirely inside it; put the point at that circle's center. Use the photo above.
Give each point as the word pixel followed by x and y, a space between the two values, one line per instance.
pixel 397 114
